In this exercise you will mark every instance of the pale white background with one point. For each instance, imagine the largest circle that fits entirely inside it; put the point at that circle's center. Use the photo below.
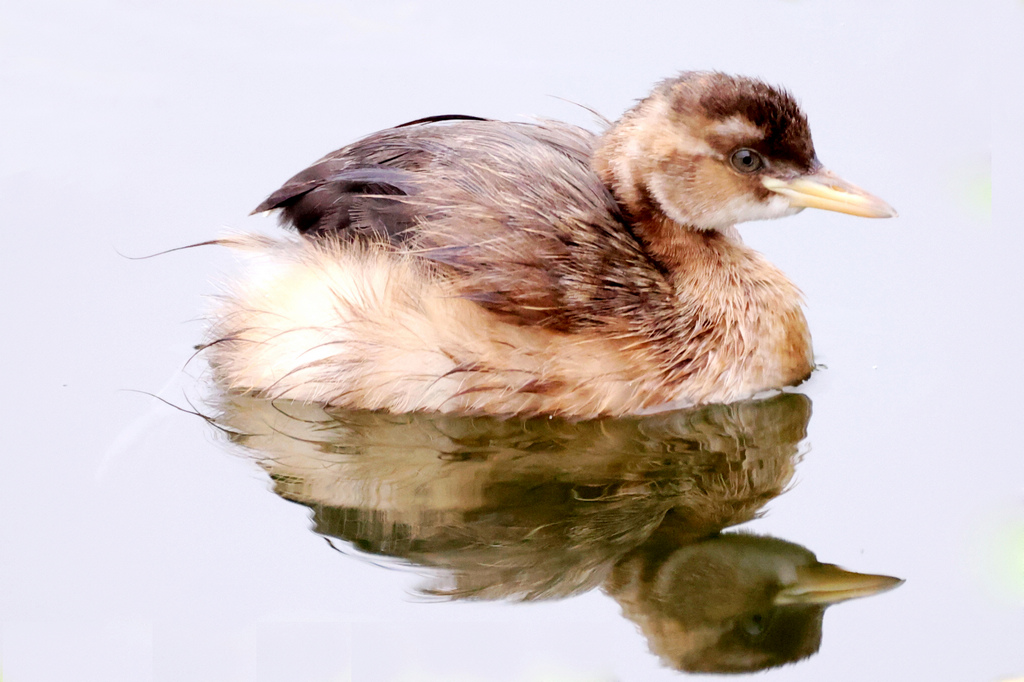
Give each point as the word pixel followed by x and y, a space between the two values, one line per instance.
pixel 132 547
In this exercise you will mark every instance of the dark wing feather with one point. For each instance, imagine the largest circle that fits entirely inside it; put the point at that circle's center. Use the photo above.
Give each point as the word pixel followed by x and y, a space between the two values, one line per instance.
pixel 512 213
pixel 440 118
pixel 346 193
pixel 333 196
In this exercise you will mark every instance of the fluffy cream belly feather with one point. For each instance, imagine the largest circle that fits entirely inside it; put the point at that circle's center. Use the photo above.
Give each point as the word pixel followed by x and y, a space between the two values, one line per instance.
pixel 364 327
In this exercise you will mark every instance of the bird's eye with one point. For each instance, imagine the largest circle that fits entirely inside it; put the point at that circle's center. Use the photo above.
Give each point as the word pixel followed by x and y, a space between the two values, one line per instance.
pixel 747 160
pixel 754 624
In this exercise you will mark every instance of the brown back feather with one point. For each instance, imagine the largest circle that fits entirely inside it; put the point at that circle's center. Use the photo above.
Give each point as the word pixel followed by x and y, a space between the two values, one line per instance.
pixel 512 213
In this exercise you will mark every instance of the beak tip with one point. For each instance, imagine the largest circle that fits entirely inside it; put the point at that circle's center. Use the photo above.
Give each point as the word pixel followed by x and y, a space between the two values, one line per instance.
pixel 825 190
pixel 828 584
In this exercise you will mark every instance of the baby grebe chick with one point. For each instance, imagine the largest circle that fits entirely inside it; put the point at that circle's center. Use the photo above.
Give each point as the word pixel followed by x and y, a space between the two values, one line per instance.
pixel 468 265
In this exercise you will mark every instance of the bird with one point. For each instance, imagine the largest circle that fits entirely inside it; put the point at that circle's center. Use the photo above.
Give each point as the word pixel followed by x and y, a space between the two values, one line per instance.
pixel 475 266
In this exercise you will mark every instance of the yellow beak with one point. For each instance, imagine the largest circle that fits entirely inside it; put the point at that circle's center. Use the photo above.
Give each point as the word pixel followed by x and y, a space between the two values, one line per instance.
pixel 828 584
pixel 830 192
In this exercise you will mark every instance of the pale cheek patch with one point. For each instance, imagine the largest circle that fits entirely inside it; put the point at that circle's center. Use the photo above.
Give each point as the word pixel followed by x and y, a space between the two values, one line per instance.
pixel 705 210
pixel 665 189
pixel 743 209
pixel 711 197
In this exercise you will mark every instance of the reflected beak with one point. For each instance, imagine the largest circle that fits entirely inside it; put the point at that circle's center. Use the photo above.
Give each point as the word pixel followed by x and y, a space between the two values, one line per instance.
pixel 829 584
pixel 830 192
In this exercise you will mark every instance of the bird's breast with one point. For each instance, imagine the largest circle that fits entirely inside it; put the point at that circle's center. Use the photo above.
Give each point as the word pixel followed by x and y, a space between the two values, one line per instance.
pixel 740 330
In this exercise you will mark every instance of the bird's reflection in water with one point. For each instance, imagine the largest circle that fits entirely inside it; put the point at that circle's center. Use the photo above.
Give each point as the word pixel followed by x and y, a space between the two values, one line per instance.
pixel 543 508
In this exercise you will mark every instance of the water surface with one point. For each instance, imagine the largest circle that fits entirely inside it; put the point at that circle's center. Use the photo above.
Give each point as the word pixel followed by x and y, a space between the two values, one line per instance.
pixel 139 543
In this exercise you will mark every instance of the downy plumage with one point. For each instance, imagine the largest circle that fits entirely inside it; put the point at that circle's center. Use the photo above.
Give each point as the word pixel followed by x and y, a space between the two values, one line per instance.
pixel 468 265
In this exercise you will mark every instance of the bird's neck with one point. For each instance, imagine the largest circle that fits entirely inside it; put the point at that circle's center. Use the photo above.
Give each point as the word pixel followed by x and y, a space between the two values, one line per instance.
pixel 730 299
pixel 702 264
pixel 683 251
pixel 721 276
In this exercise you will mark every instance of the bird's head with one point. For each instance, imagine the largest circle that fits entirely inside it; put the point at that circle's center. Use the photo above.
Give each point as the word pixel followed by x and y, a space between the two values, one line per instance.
pixel 734 602
pixel 709 150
